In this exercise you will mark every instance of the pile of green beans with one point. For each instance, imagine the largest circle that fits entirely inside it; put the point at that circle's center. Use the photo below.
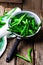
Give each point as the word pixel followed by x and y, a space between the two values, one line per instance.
pixel 23 24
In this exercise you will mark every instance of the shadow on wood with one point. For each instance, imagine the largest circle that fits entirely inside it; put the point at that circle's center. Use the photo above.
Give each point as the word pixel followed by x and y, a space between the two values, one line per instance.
pixel 39 36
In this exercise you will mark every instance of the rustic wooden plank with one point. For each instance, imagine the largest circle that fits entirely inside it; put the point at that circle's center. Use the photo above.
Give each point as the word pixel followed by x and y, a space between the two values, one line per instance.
pixel 37 4
pixel 27 5
pixel 38 47
pixel 1 10
pixel 23 51
pixel 32 4
pixel 42 4
pixel 12 1
pixel 9 6
pixel 14 5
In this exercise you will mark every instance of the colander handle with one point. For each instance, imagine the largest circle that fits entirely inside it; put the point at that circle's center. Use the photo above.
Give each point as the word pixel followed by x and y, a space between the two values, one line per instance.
pixel 13 50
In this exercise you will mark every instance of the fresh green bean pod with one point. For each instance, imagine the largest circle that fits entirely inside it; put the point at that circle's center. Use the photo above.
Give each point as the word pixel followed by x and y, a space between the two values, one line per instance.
pixel 22 57
pixel 29 59
pixel 23 31
pixel 27 27
pixel 30 32
pixel 29 54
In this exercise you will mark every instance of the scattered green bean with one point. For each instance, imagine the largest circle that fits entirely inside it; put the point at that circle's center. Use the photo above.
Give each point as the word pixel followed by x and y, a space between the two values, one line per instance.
pixel 22 57
pixel 29 59
pixel 29 54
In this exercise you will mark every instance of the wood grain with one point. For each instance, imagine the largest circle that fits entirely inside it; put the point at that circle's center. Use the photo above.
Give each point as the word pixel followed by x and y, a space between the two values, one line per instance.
pixel 12 1
pixel 37 4
pixel 38 47
pixel 42 4
pixel 27 5
pixel 32 4
pixel 9 6
pixel 23 51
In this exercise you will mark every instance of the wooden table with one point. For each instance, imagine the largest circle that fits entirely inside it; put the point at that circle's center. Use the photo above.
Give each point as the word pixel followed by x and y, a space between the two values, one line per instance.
pixel 36 42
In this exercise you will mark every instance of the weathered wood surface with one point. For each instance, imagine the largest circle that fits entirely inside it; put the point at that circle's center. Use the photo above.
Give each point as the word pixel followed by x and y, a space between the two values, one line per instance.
pixel 36 44
pixel 38 53
pixel 23 51
pixel 12 1
pixel 9 6
pixel 37 7
pixel 31 4
pixel 42 4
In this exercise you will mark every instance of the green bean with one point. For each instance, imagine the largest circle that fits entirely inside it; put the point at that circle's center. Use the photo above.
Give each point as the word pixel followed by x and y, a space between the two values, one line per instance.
pixel 15 28
pixel 23 31
pixel 29 59
pixel 30 32
pixel 22 57
pixel 21 18
pixel 24 22
pixel 27 27
pixel 15 22
pixel 29 17
pixel 18 20
pixel 29 54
